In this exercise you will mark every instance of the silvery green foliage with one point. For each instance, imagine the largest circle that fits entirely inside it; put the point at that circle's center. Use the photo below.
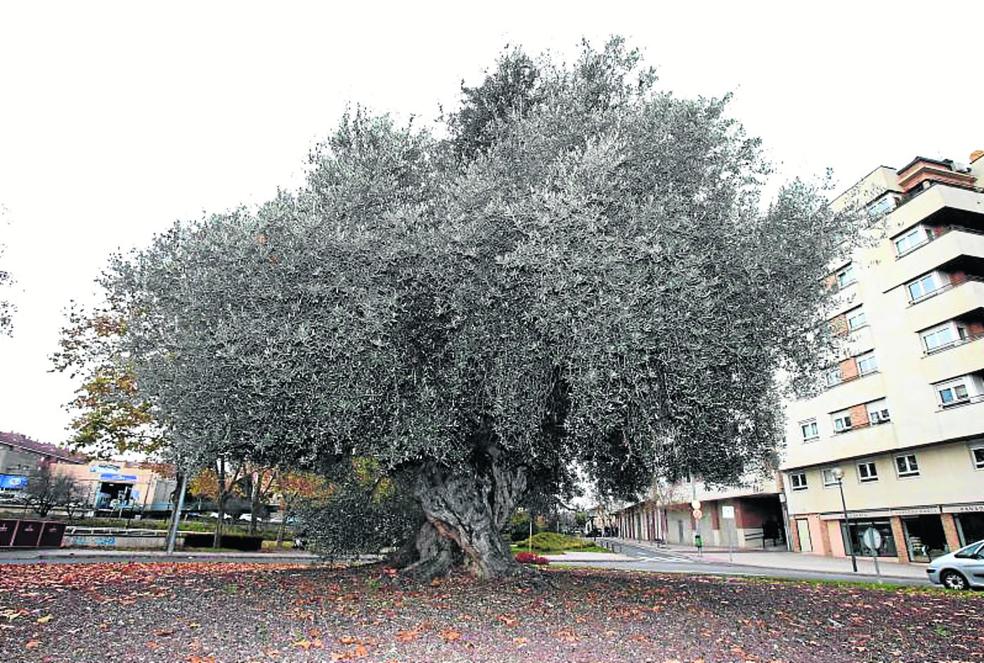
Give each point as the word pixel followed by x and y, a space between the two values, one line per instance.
pixel 602 286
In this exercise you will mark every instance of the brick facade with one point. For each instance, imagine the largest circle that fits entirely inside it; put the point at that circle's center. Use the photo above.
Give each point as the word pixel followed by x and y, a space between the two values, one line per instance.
pixel 898 533
pixel 859 415
pixel 849 369
pixel 950 530
pixel 956 278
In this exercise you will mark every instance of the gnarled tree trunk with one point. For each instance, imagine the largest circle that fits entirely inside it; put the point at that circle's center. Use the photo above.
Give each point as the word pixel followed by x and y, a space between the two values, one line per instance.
pixel 466 509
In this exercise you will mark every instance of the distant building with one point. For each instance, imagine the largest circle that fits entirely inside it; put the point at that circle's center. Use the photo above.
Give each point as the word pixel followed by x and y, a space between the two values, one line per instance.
pixel 107 485
pixel 900 424
pixel 669 518
pixel 20 455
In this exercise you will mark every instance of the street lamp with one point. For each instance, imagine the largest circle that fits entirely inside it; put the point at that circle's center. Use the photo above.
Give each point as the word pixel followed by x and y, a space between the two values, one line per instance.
pixel 839 477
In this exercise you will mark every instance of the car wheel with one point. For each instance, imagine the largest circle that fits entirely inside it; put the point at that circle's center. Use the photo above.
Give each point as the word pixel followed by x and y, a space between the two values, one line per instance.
pixel 954 580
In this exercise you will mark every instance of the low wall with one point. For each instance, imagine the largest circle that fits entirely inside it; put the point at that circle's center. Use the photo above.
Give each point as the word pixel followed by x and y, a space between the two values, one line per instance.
pixel 118 540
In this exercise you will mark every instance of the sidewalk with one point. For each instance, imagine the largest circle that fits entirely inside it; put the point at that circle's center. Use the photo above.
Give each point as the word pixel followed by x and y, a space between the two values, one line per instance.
pixel 790 560
pixel 68 554
pixel 588 557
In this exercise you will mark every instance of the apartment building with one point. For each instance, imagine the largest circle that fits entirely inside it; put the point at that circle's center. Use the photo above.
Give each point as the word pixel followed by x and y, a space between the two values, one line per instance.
pixel 20 456
pixel 899 426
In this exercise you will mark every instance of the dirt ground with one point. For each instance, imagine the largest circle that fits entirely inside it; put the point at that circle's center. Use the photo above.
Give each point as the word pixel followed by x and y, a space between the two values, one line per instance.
pixel 241 612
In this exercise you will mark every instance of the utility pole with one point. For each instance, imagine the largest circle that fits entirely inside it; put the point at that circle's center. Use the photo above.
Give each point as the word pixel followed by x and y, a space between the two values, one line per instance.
pixel 839 475
pixel 172 532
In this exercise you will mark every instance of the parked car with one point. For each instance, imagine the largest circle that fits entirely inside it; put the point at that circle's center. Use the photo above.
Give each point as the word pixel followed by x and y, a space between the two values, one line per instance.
pixel 963 569
pixel 13 498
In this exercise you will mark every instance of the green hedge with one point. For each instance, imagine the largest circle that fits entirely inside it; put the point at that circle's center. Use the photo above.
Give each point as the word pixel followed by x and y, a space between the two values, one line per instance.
pixel 553 542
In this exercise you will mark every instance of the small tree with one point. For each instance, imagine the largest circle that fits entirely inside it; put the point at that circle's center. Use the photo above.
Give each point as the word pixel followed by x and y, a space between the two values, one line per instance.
pixel 109 415
pixel 291 489
pixel 75 500
pixel 221 486
pixel 259 483
pixel 46 490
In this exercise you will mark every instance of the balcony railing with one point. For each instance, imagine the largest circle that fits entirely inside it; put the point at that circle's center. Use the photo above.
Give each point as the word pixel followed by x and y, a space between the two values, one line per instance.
pixel 953 344
pixel 862 426
pixel 970 400
pixel 852 378
pixel 929 240
pixel 915 193
pixel 945 288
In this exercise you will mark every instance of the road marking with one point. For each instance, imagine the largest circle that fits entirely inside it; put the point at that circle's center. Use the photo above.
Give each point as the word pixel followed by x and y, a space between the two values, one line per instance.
pixel 659 558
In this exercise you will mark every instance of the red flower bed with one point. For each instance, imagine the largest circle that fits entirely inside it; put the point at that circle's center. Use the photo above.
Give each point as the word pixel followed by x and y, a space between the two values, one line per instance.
pixel 531 558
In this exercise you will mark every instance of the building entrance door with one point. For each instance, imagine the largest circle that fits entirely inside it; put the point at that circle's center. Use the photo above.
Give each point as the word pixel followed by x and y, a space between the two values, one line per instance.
pixel 803 529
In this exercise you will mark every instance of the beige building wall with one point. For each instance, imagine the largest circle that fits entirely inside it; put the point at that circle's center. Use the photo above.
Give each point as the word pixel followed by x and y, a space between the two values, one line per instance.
pixel 141 485
pixel 942 439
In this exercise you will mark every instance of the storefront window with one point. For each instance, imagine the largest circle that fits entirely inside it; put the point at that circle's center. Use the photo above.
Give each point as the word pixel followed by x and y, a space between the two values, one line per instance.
pixel 924 537
pixel 970 527
pixel 857 529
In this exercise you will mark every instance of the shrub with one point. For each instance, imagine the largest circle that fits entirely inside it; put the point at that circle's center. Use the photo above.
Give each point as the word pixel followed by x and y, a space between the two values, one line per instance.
pixel 553 542
pixel 234 542
pixel 519 526
pixel 531 558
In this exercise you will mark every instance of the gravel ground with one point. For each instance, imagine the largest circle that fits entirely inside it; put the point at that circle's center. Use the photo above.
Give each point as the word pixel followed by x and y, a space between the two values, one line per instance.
pixel 202 613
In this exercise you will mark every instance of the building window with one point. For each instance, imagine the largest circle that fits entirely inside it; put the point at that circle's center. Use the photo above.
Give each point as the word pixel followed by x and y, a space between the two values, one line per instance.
pixel 977 455
pixel 883 205
pixel 856 319
pixel 857 528
pixel 907 466
pixel 912 239
pixel 829 478
pixel 867 363
pixel 867 472
pixel 952 393
pixel 939 338
pixel 842 421
pixel 925 286
pixel 797 481
pixel 810 430
pixel 833 376
pixel 878 412
pixel 846 277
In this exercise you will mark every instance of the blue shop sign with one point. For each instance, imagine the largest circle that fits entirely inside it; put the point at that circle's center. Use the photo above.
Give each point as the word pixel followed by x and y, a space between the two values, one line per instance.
pixel 12 481
pixel 118 477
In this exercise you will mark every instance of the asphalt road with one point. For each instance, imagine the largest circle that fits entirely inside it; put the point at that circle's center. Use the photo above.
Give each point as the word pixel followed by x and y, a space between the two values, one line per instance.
pixel 644 559
pixel 667 561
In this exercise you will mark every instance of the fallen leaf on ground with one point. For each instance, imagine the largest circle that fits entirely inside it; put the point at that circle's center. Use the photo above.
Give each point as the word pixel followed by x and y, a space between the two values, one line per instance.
pixel 508 620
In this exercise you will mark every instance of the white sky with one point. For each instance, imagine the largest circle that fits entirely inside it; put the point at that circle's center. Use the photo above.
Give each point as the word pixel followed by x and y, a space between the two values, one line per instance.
pixel 118 118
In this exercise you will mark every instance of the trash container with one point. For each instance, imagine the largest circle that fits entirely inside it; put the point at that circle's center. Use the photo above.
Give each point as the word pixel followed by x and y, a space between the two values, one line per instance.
pixel 7 532
pixel 51 535
pixel 27 534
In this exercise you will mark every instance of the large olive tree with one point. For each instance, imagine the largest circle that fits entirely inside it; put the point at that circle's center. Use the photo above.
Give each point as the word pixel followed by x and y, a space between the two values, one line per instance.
pixel 590 280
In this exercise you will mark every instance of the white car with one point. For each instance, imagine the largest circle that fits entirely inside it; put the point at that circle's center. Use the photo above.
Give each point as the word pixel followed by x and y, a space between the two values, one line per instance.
pixel 963 569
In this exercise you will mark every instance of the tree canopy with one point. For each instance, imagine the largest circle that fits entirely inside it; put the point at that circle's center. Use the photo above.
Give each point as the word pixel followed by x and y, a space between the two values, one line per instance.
pixel 590 279
pixel 110 416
